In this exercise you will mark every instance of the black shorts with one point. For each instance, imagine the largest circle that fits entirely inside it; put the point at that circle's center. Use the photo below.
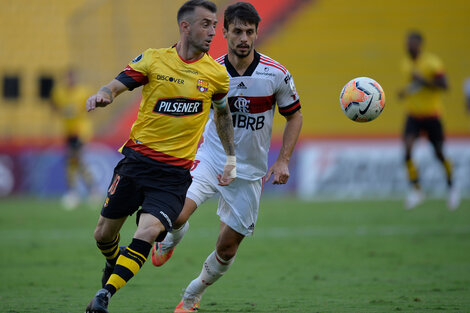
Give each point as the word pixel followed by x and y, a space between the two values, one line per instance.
pixel 159 191
pixel 432 127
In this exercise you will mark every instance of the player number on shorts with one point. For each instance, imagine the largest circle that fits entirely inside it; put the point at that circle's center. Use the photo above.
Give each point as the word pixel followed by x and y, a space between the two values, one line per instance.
pixel 112 188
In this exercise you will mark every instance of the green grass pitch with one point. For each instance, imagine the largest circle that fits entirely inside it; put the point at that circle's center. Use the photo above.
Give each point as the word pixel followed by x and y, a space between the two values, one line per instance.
pixel 360 256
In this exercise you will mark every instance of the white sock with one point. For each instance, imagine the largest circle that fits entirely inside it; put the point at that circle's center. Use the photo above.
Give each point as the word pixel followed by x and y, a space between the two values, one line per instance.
pixel 175 236
pixel 214 267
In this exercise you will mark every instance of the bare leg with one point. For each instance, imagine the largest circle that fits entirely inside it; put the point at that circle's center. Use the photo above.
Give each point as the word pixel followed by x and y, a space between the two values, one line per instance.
pixel 228 242
pixel 107 229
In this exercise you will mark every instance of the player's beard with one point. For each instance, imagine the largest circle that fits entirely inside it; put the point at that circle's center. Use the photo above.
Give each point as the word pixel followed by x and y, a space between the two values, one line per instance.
pixel 242 55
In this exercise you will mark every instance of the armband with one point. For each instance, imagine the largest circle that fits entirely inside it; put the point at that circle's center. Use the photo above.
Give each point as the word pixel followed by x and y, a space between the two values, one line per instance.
pixel 221 103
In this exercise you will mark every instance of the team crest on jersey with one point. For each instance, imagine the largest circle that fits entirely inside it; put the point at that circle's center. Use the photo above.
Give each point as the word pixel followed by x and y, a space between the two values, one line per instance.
pixel 242 105
pixel 202 85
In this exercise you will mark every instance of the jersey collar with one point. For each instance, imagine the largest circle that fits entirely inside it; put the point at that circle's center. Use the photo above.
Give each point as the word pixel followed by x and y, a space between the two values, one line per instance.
pixel 186 61
pixel 249 71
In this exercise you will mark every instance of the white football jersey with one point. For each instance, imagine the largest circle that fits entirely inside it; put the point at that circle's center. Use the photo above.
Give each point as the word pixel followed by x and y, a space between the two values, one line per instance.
pixel 252 98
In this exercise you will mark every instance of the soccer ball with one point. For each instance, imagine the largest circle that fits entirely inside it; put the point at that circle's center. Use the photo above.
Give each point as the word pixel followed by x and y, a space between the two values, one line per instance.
pixel 362 99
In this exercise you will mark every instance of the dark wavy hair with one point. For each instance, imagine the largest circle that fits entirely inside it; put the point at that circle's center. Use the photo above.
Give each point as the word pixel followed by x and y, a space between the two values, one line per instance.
pixel 244 12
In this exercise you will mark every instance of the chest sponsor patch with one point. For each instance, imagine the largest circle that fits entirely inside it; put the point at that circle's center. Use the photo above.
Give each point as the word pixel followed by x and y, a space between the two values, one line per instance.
pixel 178 106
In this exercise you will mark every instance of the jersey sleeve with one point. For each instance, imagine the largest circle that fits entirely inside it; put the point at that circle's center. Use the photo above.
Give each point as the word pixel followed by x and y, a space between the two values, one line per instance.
pixel 286 96
pixel 135 74
pixel 222 85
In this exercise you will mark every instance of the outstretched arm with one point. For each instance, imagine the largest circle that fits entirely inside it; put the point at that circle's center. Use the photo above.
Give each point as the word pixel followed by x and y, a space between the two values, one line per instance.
pixel 223 123
pixel 105 95
pixel 280 168
pixel 439 81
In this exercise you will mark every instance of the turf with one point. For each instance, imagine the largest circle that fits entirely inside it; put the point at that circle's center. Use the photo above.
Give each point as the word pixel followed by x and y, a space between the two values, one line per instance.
pixel 360 256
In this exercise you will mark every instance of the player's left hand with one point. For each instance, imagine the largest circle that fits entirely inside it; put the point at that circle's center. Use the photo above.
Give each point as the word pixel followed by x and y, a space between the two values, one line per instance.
pixel 228 175
pixel 280 173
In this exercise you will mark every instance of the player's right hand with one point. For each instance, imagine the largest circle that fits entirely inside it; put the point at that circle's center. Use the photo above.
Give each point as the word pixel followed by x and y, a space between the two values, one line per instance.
pixel 96 101
pixel 228 176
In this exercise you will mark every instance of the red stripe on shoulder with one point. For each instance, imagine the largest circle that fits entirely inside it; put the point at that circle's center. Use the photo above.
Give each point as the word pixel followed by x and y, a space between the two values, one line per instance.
pixel 269 60
pixel 221 59
pixel 274 65
pixel 265 57
pixel 135 75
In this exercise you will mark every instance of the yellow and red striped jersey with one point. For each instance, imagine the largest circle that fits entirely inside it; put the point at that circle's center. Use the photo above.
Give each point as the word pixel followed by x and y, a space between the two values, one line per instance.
pixel 176 99
pixel 424 101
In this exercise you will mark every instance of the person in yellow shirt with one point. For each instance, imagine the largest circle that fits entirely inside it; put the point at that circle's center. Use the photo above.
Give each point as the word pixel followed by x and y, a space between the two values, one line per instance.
pixel 69 100
pixel 180 84
pixel 426 80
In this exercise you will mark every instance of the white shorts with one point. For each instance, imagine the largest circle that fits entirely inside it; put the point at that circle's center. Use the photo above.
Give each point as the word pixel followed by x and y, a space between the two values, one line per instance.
pixel 238 202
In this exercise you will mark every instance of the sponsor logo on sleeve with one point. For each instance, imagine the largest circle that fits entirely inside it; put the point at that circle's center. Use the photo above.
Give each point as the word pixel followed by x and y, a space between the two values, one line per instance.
pixel 289 81
pixel 292 86
pixel 287 78
pixel 137 59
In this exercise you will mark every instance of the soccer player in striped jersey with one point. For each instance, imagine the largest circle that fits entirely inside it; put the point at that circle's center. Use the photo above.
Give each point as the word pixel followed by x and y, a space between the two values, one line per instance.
pixel 257 84
pixel 179 86
pixel 426 80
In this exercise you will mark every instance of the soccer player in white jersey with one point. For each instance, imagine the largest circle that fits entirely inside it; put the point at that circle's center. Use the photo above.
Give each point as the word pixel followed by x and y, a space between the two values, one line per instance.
pixel 257 83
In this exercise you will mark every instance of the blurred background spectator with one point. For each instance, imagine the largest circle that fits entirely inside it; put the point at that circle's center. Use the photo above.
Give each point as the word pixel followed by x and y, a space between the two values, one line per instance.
pixel 67 99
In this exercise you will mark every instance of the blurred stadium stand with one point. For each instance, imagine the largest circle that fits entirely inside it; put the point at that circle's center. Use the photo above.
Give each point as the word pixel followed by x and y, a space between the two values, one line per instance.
pixel 323 43
pixel 329 42
pixel 45 37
